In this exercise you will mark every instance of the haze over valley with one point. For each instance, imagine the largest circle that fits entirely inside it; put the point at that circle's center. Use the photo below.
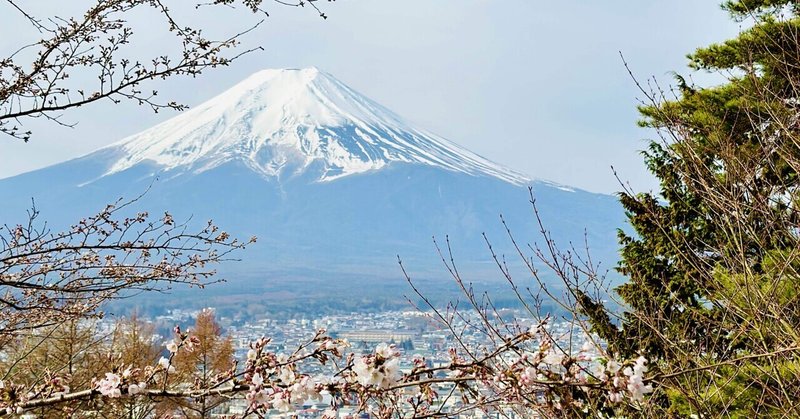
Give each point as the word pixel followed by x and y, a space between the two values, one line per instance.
pixel 333 185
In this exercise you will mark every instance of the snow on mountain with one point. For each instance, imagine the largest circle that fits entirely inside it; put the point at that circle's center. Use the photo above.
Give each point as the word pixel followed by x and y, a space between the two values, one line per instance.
pixel 283 123
pixel 276 157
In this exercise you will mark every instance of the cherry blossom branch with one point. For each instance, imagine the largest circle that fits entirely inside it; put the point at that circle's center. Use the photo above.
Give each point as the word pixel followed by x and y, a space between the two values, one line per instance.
pixel 95 43
pixel 47 278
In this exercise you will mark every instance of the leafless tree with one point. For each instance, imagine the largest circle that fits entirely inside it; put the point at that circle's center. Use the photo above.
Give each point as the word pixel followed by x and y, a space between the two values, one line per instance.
pixel 48 277
pixel 85 59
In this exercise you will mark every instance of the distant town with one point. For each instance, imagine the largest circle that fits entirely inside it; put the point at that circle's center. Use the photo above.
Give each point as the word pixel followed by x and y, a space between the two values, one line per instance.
pixel 414 334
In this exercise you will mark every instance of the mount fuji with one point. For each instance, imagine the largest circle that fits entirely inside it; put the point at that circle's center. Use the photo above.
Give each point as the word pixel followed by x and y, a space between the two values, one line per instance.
pixel 285 123
pixel 333 184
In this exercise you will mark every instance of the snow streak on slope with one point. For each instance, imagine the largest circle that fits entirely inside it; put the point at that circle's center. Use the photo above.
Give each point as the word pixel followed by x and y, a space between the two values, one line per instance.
pixel 284 123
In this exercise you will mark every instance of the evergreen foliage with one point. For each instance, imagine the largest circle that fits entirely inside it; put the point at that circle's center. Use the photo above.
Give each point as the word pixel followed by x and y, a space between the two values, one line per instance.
pixel 712 267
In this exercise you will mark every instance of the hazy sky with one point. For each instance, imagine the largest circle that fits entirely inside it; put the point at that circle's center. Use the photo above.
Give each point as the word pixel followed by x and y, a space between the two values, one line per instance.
pixel 535 85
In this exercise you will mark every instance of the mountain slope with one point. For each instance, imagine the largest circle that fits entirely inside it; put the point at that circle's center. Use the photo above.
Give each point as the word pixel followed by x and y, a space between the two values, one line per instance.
pixel 281 122
pixel 326 178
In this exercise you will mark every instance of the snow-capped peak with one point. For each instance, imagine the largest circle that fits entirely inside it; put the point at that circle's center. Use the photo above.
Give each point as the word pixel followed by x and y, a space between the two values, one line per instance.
pixel 280 122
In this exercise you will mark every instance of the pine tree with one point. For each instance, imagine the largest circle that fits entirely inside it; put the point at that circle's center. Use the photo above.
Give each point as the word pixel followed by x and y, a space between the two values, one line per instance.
pixel 713 267
pixel 208 360
pixel 136 347
pixel 66 355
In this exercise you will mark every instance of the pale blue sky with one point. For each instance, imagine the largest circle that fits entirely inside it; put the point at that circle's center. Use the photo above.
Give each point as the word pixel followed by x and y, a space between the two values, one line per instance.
pixel 537 86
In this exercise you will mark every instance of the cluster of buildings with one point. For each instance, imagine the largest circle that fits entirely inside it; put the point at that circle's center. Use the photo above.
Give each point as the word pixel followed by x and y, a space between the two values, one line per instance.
pixel 414 333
